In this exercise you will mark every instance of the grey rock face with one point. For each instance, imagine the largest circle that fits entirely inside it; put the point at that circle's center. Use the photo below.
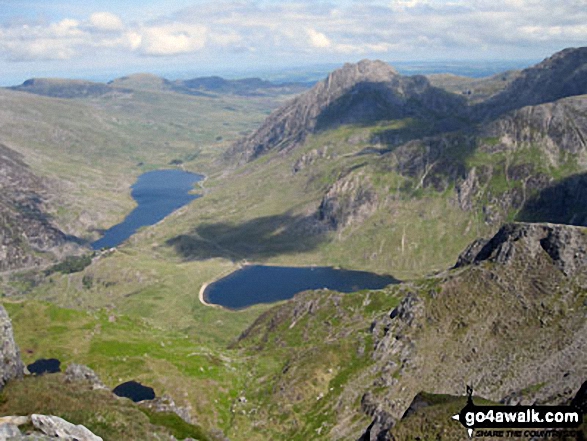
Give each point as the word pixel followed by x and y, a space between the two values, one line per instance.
pixel 59 428
pixel 78 372
pixel 166 404
pixel 11 365
pixel 558 76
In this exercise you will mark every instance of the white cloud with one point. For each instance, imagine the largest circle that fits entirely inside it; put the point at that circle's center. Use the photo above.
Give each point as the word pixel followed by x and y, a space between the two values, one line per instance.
pixel 318 39
pixel 386 29
pixel 172 39
pixel 106 21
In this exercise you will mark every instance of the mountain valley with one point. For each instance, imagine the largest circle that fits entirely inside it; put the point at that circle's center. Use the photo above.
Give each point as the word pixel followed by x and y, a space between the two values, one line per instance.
pixel 471 191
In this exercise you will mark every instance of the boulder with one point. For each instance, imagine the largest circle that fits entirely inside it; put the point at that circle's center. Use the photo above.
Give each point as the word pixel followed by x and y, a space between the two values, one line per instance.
pixel 59 428
pixel 80 373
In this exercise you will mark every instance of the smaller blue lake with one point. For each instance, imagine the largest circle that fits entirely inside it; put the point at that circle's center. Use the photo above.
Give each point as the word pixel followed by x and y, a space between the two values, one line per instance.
pixel 135 391
pixel 45 366
pixel 266 284
pixel 158 193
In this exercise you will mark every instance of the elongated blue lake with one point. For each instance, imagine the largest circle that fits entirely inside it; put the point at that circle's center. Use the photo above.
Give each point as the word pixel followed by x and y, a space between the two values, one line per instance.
pixel 265 284
pixel 158 193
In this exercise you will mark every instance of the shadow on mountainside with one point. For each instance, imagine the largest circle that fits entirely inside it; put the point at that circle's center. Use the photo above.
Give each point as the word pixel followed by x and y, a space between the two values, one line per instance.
pixel 255 239
pixel 564 202
pixel 368 103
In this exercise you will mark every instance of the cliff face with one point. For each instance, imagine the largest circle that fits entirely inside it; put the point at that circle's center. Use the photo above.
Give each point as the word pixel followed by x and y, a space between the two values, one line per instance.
pixel 509 320
pixel 25 228
pixel 11 365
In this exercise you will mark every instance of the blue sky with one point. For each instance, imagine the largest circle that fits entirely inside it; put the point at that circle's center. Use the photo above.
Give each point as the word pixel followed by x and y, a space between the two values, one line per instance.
pixel 106 37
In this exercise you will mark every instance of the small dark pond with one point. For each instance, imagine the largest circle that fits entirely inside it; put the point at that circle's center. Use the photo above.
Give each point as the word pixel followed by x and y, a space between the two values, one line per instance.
pixel 45 366
pixel 158 193
pixel 135 391
pixel 265 284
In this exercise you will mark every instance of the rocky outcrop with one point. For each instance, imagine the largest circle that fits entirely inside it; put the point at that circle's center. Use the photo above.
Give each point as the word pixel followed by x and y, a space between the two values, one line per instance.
pixel 80 373
pixel 368 91
pixel 167 404
pixel 349 201
pixel 524 281
pixel 11 365
pixel 56 427
pixel 565 245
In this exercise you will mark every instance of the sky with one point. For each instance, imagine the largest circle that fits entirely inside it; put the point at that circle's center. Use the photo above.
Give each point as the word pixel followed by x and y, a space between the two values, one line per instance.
pixel 45 38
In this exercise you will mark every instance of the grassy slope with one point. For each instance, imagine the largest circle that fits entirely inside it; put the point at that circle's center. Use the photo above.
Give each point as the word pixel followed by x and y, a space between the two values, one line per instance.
pixel 122 348
pixel 305 356
pixel 105 415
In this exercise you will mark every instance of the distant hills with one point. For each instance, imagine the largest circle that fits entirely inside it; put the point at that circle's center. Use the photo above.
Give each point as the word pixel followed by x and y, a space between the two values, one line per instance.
pixel 201 86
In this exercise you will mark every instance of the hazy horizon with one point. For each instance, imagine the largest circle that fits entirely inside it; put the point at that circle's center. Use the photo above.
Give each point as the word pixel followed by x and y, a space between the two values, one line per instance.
pixel 313 72
pixel 106 39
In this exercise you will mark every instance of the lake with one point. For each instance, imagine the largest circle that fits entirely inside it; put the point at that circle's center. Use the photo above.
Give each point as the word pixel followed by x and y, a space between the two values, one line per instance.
pixel 158 193
pixel 266 284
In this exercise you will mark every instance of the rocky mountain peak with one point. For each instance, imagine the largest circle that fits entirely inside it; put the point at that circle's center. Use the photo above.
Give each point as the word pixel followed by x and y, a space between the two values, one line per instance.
pixel 364 71
pixel 364 92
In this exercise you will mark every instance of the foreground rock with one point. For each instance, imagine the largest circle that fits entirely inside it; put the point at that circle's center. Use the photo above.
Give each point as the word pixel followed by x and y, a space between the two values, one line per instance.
pixel 11 365
pixel 59 428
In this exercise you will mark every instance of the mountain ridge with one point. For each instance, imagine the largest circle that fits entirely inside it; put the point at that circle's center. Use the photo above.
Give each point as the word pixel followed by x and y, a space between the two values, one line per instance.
pixel 562 75
pixel 200 86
